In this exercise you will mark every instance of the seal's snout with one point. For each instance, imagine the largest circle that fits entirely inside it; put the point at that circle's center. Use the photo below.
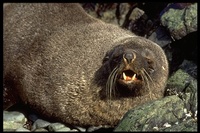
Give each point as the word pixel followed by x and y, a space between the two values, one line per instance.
pixel 129 75
pixel 129 57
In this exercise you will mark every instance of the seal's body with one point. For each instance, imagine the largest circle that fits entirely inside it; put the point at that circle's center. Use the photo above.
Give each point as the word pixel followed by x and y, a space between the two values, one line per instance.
pixel 76 69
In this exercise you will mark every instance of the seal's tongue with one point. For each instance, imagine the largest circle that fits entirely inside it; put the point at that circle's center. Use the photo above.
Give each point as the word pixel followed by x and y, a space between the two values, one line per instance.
pixel 128 78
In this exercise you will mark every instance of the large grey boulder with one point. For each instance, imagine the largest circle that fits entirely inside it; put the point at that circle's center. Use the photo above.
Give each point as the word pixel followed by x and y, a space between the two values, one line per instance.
pixel 171 113
pixel 180 22
pixel 175 112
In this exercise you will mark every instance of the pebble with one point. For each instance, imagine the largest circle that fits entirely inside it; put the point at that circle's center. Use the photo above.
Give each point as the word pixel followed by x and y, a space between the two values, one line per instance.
pixel 41 130
pixel 81 129
pixel 13 116
pixel 56 126
pixel 64 129
pixel 93 128
pixel 39 123
pixel 14 121
pixel 22 129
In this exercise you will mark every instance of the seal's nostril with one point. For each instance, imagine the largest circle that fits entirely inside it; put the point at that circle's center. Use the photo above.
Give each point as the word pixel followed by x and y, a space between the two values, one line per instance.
pixel 129 57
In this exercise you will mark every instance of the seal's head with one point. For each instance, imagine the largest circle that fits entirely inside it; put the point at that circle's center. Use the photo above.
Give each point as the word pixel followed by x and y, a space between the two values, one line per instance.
pixel 131 71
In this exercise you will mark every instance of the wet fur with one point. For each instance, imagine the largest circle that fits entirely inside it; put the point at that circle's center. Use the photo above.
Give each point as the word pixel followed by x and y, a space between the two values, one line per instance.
pixel 58 59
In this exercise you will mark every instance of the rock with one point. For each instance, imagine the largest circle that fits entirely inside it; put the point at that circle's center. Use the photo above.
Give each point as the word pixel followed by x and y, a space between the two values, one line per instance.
pixel 167 114
pixel 55 126
pixel 22 129
pixel 13 120
pixel 136 14
pixel 189 125
pixel 180 22
pixel 160 36
pixel 114 13
pixel 11 125
pixel 73 130
pixel 93 128
pixel 81 129
pixel 177 111
pixel 100 128
pixel 105 12
pixel 13 116
pixel 65 129
pixel 180 81
pixel 41 130
pixel 39 123
pixel 190 68
pixel 122 12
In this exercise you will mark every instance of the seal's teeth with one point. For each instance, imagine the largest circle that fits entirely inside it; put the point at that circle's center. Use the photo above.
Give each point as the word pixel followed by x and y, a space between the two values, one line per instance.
pixel 124 76
pixel 133 78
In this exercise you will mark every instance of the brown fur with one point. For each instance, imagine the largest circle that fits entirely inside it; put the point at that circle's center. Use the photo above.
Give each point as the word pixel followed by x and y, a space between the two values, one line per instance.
pixel 53 56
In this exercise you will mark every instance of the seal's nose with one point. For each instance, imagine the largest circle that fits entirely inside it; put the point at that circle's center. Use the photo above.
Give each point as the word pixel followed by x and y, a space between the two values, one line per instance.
pixel 129 57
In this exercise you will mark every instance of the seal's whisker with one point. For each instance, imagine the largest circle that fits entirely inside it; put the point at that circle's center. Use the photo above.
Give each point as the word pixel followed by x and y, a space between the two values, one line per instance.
pixel 113 83
pixel 146 81
pixel 147 74
pixel 110 85
pixel 152 82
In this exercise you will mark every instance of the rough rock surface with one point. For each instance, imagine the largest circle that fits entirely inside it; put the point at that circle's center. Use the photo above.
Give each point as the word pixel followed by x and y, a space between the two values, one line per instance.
pixel 175 112
pixel 180 22
pixel 168 114
pixel 13 121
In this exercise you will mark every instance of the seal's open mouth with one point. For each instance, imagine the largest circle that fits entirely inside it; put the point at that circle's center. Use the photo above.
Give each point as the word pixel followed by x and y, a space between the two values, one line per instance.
pixel 129 76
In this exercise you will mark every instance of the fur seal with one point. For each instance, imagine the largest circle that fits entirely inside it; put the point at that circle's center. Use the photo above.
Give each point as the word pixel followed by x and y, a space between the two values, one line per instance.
pixel 76 69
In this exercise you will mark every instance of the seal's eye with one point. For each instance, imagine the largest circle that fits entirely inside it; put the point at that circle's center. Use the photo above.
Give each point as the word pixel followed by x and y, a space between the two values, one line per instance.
pixel 116 59
pixel 150 65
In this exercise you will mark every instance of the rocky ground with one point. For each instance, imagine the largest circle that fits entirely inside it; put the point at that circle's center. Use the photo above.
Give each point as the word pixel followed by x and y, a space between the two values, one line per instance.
pixel 173 26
